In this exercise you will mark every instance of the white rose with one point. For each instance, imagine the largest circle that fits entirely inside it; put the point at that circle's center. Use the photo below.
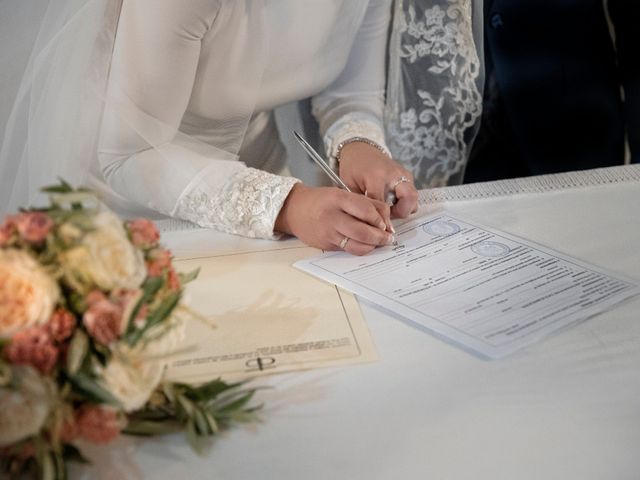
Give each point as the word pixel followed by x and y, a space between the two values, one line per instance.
pixel 23 411
pixel 133 374
pixel 105 258
pixel 27 293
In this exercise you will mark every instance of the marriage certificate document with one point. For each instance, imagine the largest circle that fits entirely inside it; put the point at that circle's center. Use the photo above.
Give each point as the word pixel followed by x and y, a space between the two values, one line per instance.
pixel 487 291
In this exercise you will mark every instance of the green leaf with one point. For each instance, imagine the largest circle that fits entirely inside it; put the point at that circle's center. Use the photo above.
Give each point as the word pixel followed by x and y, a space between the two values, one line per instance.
pixel 189 277
pixel 47 467
pixel 213 425
pixel 5 373
pixel 237 404
pixel 73 454
pixel 60 466
pixel 62 187
pixel 207 391
pixel 186 406
pixel 147 428
pixel 93 390
pixel 78 348
pixel 192 437
pixel 156 317
pixel 202 425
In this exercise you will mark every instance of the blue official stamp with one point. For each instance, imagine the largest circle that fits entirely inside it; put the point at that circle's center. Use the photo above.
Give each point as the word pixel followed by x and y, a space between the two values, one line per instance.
pixel 441 228
pixel 490 249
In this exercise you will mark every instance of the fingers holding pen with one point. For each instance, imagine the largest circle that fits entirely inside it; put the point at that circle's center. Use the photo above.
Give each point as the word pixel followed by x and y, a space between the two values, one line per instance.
pixel 324 217
pixel 373 212
pixel 360 232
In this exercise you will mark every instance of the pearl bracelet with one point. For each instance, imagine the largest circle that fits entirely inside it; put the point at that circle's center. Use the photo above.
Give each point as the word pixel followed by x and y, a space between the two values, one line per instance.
pixel 346 142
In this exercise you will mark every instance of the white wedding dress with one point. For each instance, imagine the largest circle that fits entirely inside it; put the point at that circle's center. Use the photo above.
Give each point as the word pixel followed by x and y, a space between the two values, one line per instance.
pixel 172 102
pixel 173 59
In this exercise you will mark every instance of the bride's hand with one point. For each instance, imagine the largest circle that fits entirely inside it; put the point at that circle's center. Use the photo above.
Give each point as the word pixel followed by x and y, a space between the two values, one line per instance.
pixel 323 217
pixel 364 168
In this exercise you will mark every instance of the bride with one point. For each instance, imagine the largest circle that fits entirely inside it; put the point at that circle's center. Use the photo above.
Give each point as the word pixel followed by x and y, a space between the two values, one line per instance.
pixel 174 103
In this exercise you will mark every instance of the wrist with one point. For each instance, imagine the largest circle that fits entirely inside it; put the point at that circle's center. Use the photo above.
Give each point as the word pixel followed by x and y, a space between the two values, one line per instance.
pixel 358 142
pixel 284 222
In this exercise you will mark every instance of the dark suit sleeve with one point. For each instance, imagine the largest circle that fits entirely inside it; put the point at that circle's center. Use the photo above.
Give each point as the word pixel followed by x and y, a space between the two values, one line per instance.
pixel 625 16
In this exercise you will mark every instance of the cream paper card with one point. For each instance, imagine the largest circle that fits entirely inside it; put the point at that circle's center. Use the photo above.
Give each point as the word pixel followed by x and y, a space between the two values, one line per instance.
pixel 268 317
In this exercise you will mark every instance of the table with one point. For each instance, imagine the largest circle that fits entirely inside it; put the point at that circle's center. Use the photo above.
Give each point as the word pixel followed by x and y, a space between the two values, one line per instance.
pixel 565 408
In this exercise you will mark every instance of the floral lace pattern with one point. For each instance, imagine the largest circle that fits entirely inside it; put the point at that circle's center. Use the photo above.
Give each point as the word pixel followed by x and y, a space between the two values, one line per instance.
pixel 247 205
pixel 430 130
pixel 351 125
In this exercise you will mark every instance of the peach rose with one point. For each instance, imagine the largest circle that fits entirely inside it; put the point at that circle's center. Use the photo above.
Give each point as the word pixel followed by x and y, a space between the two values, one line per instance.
pixel 27 293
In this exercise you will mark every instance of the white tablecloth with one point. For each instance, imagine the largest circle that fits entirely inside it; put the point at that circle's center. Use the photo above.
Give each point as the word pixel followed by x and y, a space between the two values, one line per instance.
pixel 565 408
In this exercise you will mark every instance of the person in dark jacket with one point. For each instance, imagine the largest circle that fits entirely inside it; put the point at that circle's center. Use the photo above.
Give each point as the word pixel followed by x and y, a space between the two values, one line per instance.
pixel 562 90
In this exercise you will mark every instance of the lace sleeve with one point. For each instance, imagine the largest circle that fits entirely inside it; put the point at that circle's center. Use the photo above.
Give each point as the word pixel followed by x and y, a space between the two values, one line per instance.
pixel 247 204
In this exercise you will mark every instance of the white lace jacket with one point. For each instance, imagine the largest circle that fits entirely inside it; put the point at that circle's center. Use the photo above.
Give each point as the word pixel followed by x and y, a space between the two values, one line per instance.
pixel 175 63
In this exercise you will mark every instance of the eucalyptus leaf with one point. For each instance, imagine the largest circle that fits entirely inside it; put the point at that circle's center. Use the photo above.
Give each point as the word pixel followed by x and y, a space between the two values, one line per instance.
pixel 188 277
pixel 92 389
pixel 47 467
pixel 150 428
pixel 213 424
pixel 238 403
pixel 5 373
pixel 202 426
pixel 78 348
pixel 157 316
pixel 186 406
pixel 209 390
pixel 72 453
pixel 192 437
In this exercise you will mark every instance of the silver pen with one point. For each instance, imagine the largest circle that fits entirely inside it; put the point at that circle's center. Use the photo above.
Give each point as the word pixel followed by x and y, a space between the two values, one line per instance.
pixel 315 156
pixel 391 196
pixel 320 162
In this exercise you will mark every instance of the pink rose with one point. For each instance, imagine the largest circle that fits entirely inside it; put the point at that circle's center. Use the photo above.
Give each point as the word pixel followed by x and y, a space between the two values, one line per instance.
pixel 98 424
pixel 144 233
pixel 33 227
pixel 104 320
pixel 94 297
pixel 33 346
pixel 61 325
pixel 7 229
pixel 173 280
pixel 158 261
pixel 127 299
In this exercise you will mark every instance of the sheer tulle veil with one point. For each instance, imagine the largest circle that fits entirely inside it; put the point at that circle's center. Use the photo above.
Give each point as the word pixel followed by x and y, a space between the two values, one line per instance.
pixel 52 128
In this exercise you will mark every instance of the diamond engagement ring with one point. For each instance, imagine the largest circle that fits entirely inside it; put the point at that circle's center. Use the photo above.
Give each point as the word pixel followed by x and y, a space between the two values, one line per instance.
pixel 344 242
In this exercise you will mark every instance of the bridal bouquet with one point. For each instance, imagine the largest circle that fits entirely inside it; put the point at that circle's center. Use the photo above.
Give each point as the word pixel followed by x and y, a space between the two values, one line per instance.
pixel 89 314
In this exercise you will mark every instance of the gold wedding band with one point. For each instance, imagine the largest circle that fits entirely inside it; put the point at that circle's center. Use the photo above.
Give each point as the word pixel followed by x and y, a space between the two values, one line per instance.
pixel 402 179
pixel 344 242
